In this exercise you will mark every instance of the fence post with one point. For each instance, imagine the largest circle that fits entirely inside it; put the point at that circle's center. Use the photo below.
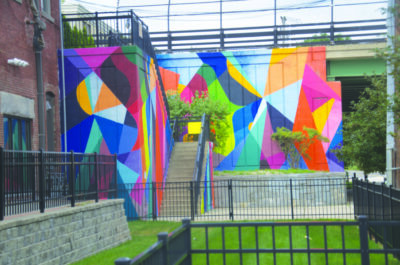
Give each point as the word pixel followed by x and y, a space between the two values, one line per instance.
pixel 363 228
pixel 188 245
pixel 154 200
pixel 390 203
pixel 2 184
pixel 355 195
pixel 373 201
pixel 96 175
pixel 41 182
pixel 230 199
pixel 97 29
pixel 382 201
pixel 163 237
pixel 191 201
pixel 116 176
pixel 72 178
pixel 291 197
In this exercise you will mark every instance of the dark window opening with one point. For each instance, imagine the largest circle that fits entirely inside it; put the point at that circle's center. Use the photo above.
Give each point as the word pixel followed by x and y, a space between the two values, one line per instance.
pixel 17 133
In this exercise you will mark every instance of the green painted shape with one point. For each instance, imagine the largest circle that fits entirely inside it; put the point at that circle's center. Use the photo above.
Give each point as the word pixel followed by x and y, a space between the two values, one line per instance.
pixel 257 129
pixel 95 139
pixel 356 67
pixel 216 92
pixel 134 54
pixel 207 72
pixel 249 158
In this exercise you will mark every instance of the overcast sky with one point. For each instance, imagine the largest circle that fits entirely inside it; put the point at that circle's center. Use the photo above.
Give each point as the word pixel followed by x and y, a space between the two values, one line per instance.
pixel 186 16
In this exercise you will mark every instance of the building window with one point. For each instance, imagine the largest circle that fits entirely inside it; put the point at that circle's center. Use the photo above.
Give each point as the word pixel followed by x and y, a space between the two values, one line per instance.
pixel 46 8
pixel 17 133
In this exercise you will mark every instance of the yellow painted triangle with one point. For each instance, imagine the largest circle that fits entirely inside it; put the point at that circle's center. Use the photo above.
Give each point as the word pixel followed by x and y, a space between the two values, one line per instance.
pixel 280 54
pixel 321 115
pixel 83 98
pixel 235 74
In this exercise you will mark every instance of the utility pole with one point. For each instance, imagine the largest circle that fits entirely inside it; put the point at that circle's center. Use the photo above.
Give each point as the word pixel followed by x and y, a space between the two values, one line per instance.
pixel 38 45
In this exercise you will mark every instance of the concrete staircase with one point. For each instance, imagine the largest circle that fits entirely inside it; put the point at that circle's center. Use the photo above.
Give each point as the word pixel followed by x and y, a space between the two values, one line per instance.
pixel 176 198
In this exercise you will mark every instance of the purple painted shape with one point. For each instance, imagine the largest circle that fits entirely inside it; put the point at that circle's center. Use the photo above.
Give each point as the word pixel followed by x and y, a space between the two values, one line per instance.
pixel 276 161
pixel 137 193
pixel 134 161
pixel 104 148
pixel 196 84
pixel 332 124
pixel 269 147
pixel 334 167
pixel 315 87
pixel 95 57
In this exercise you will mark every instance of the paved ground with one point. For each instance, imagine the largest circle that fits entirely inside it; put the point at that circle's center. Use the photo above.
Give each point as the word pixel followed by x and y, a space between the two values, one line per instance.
pixel 373 177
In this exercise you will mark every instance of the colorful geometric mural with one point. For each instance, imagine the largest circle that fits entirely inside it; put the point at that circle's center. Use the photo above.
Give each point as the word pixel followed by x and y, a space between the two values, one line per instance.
pixel 114 105
pixel 207 197
pixel 264 89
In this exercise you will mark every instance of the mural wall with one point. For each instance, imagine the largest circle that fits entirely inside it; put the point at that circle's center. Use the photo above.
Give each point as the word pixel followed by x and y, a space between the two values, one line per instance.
pixel 114 105
pixel 264 89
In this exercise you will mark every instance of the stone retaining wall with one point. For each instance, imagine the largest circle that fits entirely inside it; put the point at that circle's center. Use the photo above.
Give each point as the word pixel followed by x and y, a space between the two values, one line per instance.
pixel 319 189
pixel 63 236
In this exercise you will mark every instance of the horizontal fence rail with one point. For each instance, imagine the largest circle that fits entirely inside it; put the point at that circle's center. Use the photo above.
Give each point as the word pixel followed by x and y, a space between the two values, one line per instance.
pixel 338 32
pixel 35 180
pixel 270 243
pixel 241 200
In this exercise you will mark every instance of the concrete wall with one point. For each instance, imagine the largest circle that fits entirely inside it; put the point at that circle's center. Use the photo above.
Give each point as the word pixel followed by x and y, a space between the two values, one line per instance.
pixel 63 236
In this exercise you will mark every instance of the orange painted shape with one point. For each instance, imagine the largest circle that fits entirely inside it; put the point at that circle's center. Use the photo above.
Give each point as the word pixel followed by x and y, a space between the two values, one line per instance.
pixel 336 87
pixel 280 54
pixel 316 59
pixel 170 80
pixel 106 99
pixel 287 71
pixel 303 118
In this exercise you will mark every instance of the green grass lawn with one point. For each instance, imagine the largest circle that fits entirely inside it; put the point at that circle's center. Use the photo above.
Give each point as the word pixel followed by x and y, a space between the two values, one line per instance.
pixel 144 234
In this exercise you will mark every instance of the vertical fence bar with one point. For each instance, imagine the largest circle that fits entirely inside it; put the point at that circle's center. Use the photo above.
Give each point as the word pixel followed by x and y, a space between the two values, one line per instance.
pixel 41 181
pixel 367 193
pixel 355 195
pixel 382 201
pixel 115 176
pixel 72 178
pixel 154 200
pixel 230 199
pixel 163 237
pixel 2 184
pixel 291 197
pixel 97 32
pixel 191 201
pixel 363 228
pixel 188 245
pixel 390 203
pixel 96 175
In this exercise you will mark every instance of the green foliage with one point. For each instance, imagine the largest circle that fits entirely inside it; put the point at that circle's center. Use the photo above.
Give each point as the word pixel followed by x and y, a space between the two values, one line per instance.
pixel 296 144
pixel 324 37
pixel 364 129
pixel 74 38
pixel 215 110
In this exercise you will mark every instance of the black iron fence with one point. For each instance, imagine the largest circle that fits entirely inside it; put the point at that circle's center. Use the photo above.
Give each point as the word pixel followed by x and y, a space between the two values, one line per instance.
pixel 230 199
pixel 378 202
pixel 36 180
pixel 261 243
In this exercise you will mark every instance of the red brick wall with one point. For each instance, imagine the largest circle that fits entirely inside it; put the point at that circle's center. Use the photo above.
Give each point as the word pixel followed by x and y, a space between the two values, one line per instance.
pixel 16 40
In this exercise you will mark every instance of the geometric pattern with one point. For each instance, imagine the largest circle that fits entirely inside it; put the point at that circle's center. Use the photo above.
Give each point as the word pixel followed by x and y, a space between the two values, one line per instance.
pixel 264 89
pixel 114 105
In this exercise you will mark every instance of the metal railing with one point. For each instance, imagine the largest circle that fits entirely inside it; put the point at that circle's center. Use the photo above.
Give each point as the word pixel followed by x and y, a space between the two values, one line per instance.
pixel 180 248
pixel 378 202
pixel 286 199
pixel 329 33
pixel 37 180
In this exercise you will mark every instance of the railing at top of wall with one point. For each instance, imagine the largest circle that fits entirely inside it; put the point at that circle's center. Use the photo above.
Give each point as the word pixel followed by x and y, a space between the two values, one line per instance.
pixel 34 180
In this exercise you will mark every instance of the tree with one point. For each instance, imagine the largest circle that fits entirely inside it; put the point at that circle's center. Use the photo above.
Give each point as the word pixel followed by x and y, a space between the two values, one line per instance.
pixel 215 110
pixel 324 37
pixel 75 38
pixel 296 144
pixel 364 129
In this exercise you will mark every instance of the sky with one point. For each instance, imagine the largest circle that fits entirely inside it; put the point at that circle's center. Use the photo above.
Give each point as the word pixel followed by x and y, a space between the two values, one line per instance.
pixel 186 14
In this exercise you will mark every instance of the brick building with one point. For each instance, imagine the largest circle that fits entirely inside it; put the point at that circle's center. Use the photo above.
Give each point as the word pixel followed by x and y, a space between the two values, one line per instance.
pixel 19 123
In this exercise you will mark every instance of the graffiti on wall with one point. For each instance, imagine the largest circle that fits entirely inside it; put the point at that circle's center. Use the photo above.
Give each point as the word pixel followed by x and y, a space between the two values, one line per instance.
pixel 114 105
pixel 264 89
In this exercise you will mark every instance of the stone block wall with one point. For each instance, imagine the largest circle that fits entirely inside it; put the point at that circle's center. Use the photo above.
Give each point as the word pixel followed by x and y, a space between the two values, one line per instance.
pixel 63 236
